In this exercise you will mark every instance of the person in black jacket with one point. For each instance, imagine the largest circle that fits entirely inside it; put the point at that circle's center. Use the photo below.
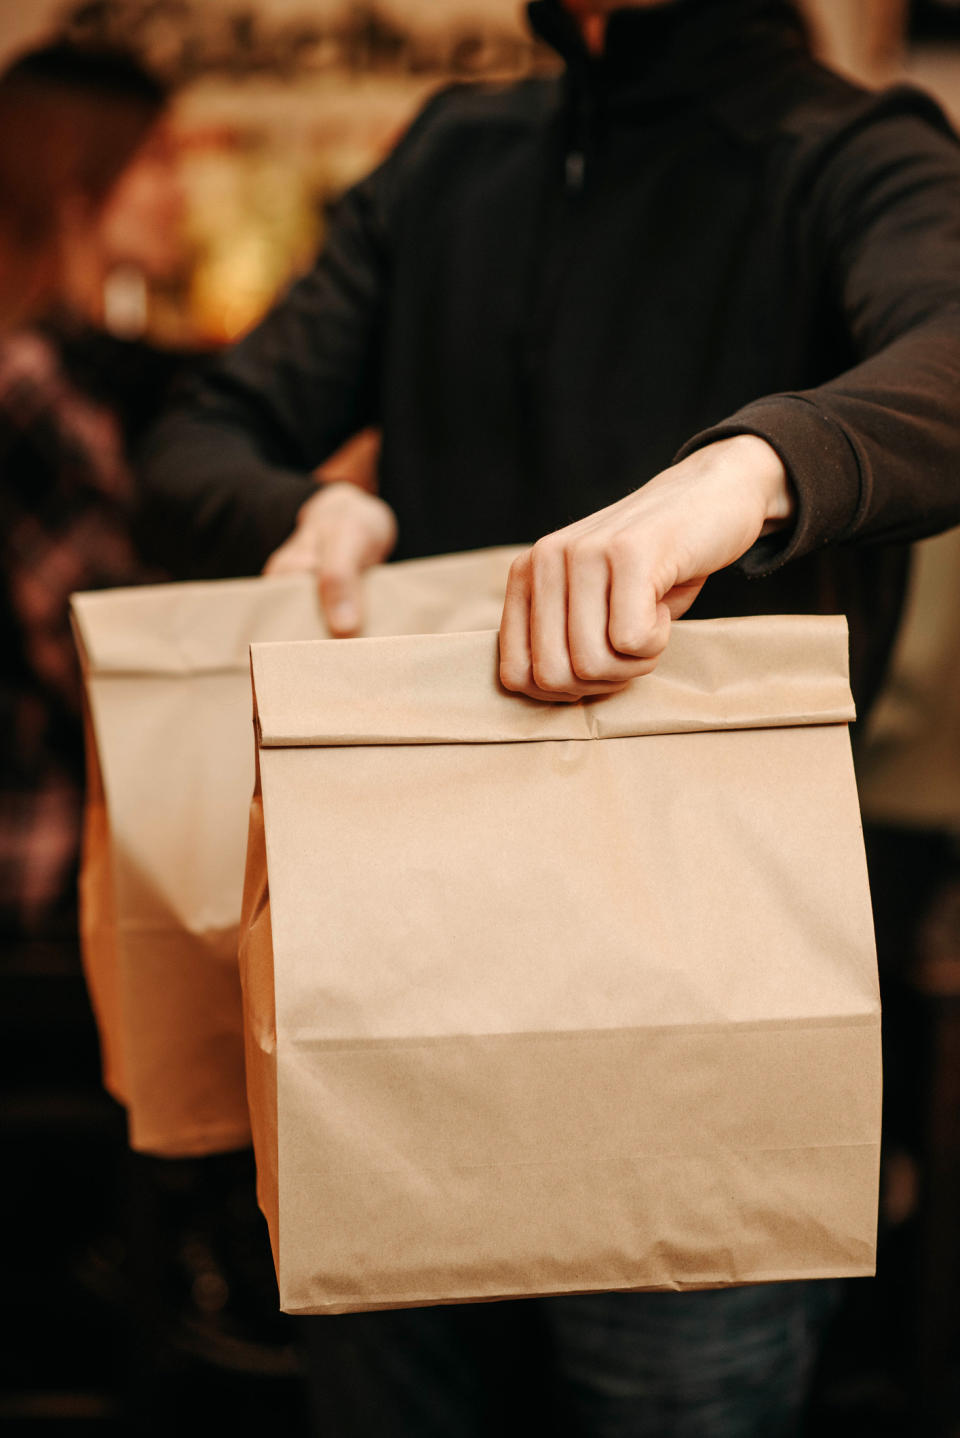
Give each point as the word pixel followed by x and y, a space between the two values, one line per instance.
pixel 549 291
pixel 691 312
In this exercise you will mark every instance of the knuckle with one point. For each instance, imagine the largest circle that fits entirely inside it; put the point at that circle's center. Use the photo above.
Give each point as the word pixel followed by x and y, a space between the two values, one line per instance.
pixel 630 639
pixel 590 668
pixel 586 550
pixel 551 677
pixel 519 571
pixel 514 676
pixel 621 548
pixel 545 551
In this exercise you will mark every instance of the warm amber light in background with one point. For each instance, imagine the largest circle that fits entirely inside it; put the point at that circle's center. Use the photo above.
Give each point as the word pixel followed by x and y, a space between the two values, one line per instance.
pixel 284 103
pixel 282 106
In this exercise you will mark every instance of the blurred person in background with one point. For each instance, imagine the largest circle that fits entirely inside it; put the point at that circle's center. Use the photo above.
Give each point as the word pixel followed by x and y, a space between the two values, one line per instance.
pixel 71 122
pixel 700 264
pixel 87 189
pixel 93 212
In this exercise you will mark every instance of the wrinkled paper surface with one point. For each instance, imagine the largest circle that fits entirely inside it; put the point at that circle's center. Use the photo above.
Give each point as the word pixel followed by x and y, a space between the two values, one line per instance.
pixel 534 1010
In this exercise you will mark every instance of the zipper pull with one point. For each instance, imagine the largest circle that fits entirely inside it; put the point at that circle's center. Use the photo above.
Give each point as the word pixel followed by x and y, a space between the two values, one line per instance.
pixel 575 167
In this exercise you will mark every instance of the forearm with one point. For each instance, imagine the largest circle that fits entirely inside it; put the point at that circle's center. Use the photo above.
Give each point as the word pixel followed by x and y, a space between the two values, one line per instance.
pixel 873 455
pixel 224 476
pixel 210 505
pixel 873 452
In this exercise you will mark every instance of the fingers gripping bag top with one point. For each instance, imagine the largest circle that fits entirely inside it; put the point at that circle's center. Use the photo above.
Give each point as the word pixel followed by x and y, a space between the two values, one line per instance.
pixel 559 998
pixel 170 770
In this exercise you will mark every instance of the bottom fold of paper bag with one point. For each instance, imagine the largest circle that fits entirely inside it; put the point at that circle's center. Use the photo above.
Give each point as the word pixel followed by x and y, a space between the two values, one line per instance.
pixel 470 1170
pixel 664 1244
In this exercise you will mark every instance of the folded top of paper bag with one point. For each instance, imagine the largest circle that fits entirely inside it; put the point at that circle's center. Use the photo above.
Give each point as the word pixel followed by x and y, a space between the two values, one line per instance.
pixel 207 627
pixel 716 674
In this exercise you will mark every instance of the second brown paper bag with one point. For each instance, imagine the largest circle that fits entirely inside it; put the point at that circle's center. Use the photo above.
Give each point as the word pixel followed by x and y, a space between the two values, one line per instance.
pixel 170 766
pixel 551 998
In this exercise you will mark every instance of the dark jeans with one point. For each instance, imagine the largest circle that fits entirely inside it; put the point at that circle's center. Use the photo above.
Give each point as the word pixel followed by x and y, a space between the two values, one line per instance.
pixel 725 1363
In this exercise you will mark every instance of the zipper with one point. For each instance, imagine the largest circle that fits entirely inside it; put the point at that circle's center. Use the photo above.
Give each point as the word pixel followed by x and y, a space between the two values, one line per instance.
pixel 555 248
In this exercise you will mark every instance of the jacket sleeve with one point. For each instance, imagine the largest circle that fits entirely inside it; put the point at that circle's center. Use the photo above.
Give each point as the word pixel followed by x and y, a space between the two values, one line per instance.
pixel 874 453
pixel 225 472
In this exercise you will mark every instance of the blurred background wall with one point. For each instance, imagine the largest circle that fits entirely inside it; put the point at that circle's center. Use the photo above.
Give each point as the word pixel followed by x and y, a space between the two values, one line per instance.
pixel 282 103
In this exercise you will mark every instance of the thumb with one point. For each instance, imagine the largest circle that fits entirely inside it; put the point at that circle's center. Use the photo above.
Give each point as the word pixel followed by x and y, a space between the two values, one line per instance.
pixel 679 599
pixel 341 564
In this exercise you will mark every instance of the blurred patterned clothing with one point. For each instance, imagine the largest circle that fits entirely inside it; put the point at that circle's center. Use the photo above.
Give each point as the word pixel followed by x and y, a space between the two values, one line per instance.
pixel 65 492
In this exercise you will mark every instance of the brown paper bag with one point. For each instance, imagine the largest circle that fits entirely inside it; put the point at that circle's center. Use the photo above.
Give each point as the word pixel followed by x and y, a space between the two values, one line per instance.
pixel 170 765
pixel 545 998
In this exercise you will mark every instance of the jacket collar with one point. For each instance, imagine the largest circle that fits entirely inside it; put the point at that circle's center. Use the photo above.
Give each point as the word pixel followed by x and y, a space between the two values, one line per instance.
pixel 684 48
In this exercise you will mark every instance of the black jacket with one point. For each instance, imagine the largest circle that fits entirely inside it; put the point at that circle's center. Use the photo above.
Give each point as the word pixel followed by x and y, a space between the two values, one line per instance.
pixel 549 290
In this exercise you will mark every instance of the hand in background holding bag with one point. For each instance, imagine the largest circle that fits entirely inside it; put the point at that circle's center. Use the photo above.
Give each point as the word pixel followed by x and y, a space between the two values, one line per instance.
pixel 341 531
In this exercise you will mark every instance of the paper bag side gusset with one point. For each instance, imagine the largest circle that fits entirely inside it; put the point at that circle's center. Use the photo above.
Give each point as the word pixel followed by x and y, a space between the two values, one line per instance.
pixel 175 895
pixel 98 919
pixel 260 1023
pixel 480 1094
pixel 162 686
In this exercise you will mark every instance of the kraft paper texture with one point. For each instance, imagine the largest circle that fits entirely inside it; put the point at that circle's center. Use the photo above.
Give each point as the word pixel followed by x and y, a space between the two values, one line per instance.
pixel 170 761
pixel 533 1010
